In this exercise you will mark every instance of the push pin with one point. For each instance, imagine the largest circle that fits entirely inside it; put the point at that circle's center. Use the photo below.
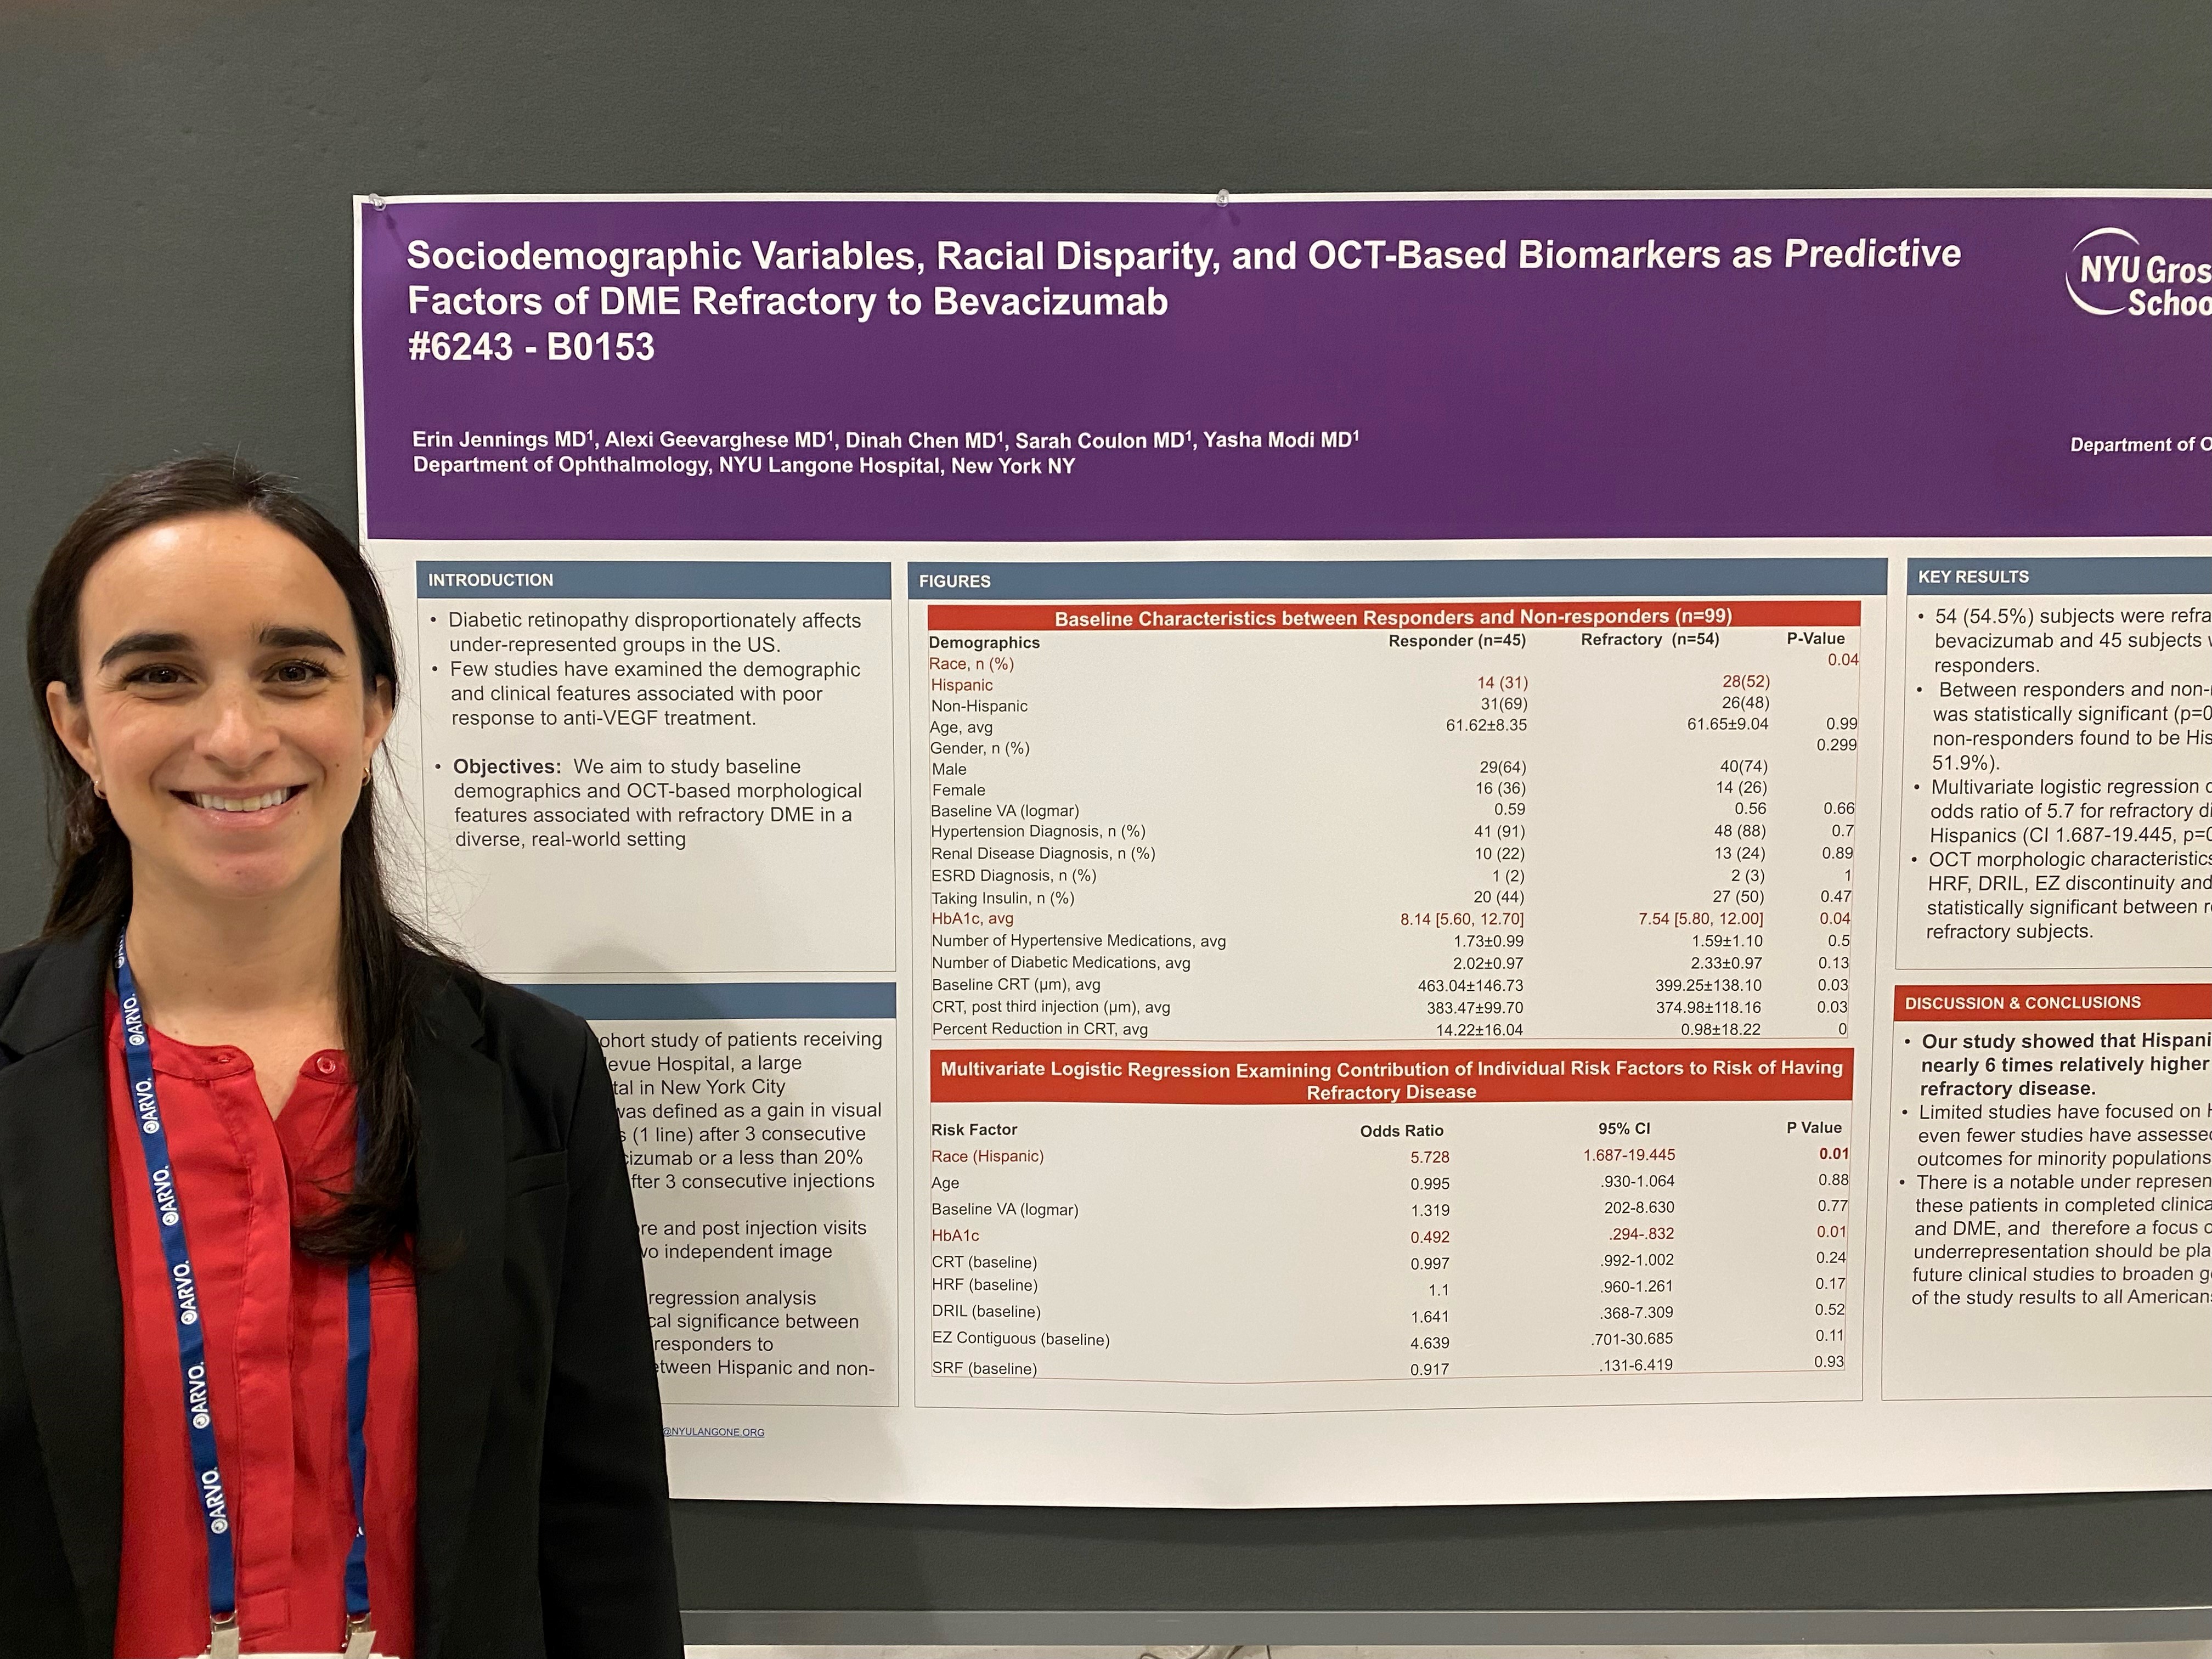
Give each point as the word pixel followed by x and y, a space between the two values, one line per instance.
pixel 1221 198
pixel 376 201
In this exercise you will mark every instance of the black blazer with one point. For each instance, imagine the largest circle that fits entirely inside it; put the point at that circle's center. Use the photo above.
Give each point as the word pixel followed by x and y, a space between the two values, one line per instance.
pixel 542 1498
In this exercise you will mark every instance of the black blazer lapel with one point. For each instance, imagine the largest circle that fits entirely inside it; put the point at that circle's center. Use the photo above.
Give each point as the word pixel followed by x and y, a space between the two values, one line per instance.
pixel 60 1233
pixel 460 1192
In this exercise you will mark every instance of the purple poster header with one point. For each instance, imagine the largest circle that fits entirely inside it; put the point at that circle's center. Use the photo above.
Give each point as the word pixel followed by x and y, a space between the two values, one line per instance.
pixel 794 369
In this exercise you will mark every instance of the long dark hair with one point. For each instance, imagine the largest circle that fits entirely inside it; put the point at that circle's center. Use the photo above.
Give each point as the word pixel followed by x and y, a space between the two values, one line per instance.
pixel 382 967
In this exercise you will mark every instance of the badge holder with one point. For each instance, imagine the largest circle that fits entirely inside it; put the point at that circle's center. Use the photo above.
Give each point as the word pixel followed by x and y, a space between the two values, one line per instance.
pixel 223 1642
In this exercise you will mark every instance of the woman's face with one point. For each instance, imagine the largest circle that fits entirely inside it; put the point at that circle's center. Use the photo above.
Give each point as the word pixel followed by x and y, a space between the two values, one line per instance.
pixel 225 714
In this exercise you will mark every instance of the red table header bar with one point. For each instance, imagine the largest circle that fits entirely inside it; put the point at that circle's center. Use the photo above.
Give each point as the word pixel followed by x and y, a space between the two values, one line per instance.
pixel 1235 617
pixel 1403 1077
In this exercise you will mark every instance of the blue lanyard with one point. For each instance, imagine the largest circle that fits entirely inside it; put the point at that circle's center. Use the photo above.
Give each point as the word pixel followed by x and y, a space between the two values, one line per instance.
pixel 192 1346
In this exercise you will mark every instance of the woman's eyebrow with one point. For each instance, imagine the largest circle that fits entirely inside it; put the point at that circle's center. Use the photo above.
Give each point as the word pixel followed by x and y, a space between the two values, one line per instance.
pixel 145 640
pixel 284 638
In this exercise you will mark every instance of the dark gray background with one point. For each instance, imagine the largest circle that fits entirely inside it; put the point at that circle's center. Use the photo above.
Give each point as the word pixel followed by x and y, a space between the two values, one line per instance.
pixel 174 248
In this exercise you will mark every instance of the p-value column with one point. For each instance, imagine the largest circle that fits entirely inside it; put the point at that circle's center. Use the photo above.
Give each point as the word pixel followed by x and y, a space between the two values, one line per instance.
pixel 647 767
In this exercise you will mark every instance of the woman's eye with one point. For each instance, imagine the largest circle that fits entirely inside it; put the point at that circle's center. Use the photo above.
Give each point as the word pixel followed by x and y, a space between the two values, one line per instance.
pixel 157 675
pixel 299 673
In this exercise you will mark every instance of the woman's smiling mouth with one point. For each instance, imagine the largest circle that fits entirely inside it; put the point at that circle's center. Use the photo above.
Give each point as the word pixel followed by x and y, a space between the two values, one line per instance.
pixel 260 803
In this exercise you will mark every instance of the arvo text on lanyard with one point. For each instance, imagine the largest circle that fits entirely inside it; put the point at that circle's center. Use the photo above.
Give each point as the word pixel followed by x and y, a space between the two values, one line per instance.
pixel 191 1357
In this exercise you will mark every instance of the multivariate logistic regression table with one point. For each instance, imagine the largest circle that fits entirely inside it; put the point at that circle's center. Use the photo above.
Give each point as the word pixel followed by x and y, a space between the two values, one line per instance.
pixel 1680 1222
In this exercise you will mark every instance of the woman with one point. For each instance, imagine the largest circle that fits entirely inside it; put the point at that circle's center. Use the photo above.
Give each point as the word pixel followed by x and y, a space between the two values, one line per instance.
pixel 322 1322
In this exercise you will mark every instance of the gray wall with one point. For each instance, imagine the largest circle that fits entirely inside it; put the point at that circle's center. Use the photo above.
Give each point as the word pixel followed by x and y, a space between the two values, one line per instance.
pixel 173 275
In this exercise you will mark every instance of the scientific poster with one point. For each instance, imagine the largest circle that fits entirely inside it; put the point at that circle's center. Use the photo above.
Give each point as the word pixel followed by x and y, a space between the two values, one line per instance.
pixel 1344 851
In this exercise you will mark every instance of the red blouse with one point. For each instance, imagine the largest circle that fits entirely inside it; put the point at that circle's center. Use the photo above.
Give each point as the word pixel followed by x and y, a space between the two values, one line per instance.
pixel 274 1324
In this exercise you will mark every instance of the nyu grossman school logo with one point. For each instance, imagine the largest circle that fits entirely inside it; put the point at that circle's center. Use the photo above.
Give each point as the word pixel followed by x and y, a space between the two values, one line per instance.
pixel 2110 274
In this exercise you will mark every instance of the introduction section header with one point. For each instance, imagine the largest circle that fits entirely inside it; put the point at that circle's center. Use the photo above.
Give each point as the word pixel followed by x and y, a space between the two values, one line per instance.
pixel 658 579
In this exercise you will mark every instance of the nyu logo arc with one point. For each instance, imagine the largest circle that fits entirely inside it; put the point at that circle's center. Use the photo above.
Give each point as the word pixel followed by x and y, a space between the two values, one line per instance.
pixel 2105 263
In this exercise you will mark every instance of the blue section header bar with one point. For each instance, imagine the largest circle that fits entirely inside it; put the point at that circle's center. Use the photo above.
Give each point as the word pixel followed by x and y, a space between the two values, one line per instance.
pixel 1983 579
pixel 1403 579
pixel 726 1001
pixel 651 578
